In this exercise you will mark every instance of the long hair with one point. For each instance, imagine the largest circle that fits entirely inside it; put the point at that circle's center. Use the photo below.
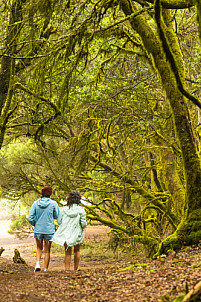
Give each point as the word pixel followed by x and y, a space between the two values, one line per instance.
pixel 74 198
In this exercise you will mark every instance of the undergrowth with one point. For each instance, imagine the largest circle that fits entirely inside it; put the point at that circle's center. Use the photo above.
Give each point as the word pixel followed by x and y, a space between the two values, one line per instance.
pixel 100 249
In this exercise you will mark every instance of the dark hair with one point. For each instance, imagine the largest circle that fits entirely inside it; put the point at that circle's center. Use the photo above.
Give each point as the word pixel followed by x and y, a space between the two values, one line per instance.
pixel 74 198
pixel 46 191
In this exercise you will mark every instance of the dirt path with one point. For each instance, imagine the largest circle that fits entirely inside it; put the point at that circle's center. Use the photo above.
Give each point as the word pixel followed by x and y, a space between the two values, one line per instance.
pixel 159 280
pixel 99 279
pixel 27 246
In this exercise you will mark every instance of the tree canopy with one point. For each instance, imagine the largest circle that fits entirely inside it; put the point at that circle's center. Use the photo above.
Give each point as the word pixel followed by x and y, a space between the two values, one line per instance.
pixel 104 96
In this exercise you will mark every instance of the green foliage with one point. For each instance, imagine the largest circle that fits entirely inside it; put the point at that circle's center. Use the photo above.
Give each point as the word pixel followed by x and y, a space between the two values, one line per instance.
pixel 92 98
pixel 165 298
pixel 20 227
pixel 179 298
pixel 196 265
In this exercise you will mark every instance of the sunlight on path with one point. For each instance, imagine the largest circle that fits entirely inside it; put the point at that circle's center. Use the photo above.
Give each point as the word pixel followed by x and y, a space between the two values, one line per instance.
pixel 8 241
pixel 4 229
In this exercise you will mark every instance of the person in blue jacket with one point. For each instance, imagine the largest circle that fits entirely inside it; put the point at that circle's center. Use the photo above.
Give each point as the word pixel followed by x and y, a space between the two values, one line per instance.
pixel 42 214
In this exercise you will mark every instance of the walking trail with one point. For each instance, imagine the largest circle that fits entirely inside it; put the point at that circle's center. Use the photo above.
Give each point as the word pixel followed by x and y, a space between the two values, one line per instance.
pixel 27 246
pixel 101 277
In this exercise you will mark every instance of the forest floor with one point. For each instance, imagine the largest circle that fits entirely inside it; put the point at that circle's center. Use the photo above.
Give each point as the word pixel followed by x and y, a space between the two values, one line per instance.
pixel 103 274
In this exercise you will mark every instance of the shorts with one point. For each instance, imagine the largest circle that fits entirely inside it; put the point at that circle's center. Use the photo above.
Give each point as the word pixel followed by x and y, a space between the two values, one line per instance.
pixel 43 236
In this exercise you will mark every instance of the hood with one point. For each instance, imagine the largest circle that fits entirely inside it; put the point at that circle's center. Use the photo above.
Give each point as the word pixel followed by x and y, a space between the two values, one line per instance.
pixel 73 211
pixel 43 202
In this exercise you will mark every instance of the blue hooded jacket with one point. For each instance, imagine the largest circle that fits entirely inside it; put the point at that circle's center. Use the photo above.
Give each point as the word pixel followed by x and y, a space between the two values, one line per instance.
pixel 42 214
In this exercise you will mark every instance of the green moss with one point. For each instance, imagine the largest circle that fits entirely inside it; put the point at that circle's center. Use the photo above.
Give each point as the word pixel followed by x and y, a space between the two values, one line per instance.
pixel 191 228
pixel 194 226
pixel 186 249
pixel 137 265
pixel 198 10
pixel 169 251
pixel 171 242
pixel 196 265
pixel 195 215
pixel 179 298
pixel 187 233
pixel 5 271
pixel 193 238
pixel 17 258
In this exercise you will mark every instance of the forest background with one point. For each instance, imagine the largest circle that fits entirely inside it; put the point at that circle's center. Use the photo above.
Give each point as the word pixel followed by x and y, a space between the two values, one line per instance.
pixel 103 97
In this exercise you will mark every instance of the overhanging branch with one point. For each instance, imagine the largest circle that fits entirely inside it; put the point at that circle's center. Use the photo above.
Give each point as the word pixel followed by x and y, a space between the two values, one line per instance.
pixel 175 4
pixel 170 56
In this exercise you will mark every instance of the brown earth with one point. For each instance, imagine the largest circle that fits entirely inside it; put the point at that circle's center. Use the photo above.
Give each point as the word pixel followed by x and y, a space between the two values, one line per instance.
pixel 100 278
pixel 27 246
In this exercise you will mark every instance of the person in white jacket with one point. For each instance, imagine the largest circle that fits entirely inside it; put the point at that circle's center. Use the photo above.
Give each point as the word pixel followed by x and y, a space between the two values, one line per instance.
pixel 72 222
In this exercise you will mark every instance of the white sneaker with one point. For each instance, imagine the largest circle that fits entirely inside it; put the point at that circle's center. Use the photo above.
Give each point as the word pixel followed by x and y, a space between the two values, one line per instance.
pixel 45 270
pixel 37 267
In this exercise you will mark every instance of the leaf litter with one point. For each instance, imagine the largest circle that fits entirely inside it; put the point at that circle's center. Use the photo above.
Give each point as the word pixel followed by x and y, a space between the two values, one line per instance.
pixel 152 281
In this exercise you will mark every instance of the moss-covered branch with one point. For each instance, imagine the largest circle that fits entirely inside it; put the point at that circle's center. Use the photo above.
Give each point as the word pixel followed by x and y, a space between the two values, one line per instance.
pixel 198 10
pixel 148 241
pixel 140 190
pixel 170 56
pixel 175 4
pixel 21 87
pixel 109 223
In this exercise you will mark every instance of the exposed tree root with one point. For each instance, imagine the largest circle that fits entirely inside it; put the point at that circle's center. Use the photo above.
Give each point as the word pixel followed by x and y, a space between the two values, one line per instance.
pixel 194 295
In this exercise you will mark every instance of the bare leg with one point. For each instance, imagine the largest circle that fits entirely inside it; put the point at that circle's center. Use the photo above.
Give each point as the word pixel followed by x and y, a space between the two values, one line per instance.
pixel 47 247
pixel 39 250
pixel 76 256
pixel 68 253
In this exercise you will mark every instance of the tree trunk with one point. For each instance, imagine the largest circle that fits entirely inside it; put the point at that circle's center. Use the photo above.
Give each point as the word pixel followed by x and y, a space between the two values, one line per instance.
pixel 7 70
pixel 172 181
pixel 189 229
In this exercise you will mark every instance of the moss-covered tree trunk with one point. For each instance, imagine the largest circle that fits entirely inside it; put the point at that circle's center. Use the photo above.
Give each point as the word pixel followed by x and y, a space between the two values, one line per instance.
pixel 172 181
pixel 188 230
pixel 7 70
pixel 198 8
